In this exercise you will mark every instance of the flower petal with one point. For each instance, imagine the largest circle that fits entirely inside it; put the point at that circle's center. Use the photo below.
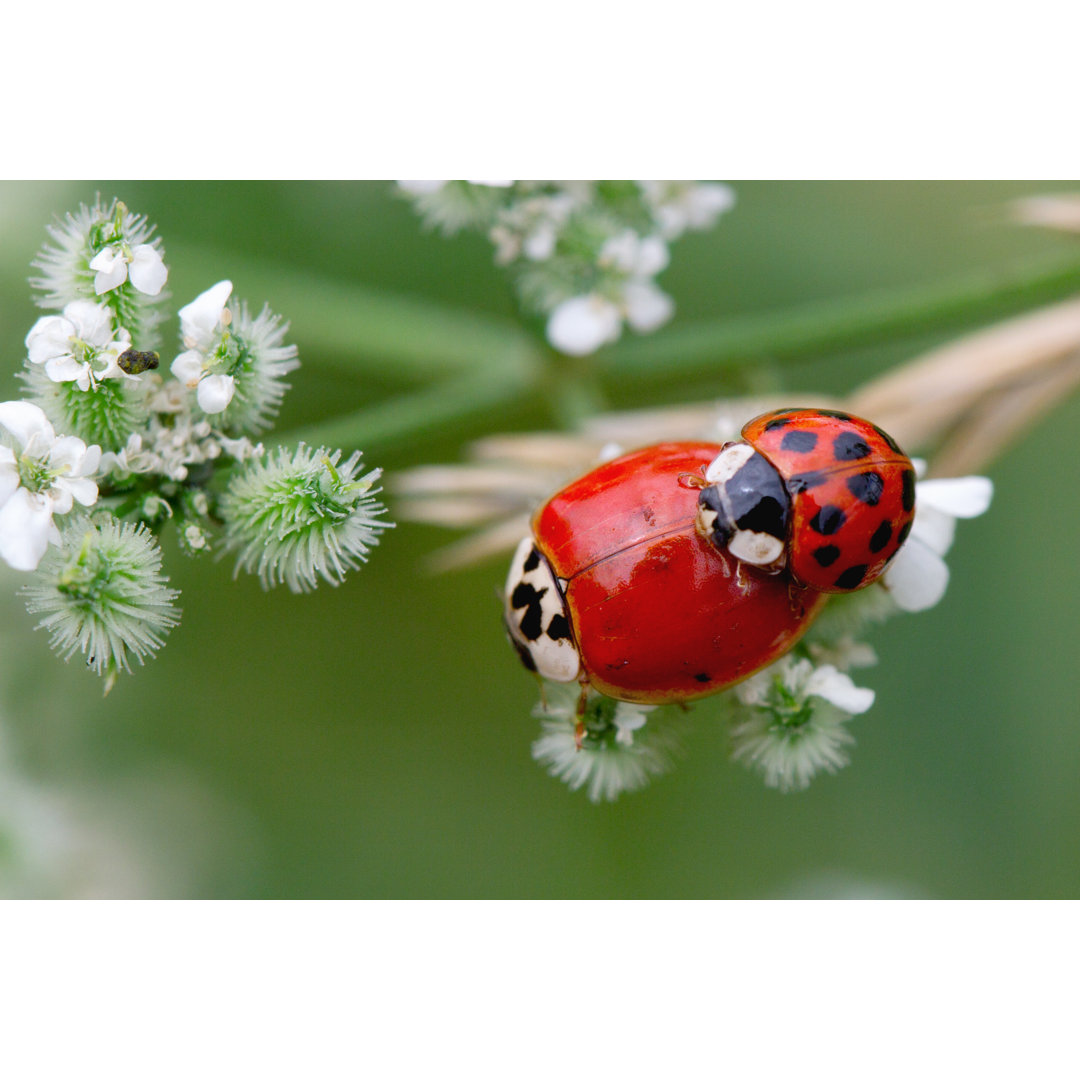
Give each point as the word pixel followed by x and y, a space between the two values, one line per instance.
pixel 50 336
pixel 72 487
pixel 199 320
pixel 706 202
pixel 963 497
pixel 215 392
pixel 25 526
pixel 111 269
pixel 61 369
pixel 917 577
pixel 24 421
pixel 653 256
pixel 67 454
pixel 9 474
pixel 147 271
pixel 582 324
pixel 92 322
pixel 838 689
pixel 188 368
pixel 647 306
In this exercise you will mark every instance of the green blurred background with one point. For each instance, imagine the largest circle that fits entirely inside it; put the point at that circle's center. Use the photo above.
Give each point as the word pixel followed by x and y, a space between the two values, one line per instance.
pixel 373 740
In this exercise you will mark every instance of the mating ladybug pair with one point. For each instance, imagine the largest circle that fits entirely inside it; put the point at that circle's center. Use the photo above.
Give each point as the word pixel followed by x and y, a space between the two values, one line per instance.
pixel 676 571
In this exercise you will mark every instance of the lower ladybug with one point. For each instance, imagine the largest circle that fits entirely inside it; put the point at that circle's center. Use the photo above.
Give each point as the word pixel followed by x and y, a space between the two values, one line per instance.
pixel 824 495
pixel 618 588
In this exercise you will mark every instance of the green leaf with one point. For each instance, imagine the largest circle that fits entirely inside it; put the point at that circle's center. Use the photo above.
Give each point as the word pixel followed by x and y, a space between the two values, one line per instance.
pixel 350 327
pixel 832 325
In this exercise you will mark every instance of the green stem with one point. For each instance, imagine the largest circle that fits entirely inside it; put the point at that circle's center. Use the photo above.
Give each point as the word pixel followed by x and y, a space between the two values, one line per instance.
pixel 816 328
pixel 399 419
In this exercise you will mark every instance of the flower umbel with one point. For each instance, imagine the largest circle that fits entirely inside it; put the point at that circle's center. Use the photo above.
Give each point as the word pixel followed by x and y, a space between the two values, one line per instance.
pixel 623 748
pixel 102 593
pixel 583 253
pixel 791 721
pixel 296 516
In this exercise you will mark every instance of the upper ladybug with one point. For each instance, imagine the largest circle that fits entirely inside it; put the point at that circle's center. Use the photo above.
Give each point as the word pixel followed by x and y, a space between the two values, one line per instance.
pixel 825 495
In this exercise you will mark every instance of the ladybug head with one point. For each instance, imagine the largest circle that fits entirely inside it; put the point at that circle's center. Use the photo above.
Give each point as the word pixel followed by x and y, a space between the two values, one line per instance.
pixel 745 508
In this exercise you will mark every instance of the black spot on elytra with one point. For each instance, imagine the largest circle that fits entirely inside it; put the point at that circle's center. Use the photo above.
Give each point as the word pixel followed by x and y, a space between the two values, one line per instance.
pixel 850 446
pixel 826 555
pixel 851 578
pixel 558 629
pixel 835 413
pixel 702 677
pixel 799 442
pixel 866 487
pixel 532 562
pixel 827 520
pixel 907 495
pixel 779 421
pixel 527 597
pixel 903 535
pixel 801 482
pixel 890 442
pixel 882 535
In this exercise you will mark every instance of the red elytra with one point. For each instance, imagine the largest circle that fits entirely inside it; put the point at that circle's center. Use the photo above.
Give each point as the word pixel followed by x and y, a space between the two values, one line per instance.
pixel 852 493
pixel 658 614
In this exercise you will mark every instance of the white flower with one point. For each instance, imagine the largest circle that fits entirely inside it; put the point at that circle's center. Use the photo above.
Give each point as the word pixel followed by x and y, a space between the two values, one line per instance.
pixel 582 324
pixel 611 758
pixel 843 653
pixel 637 256
pixel 530 227
pixel 134 457
pixel 917 577
pixel 69 345
pixel 262 361
pixel 679 205
pixel 646 305
pixel 629 718
pixel 47 477
pixel 142 264
pixel 202 324
pixel 786 736
pixel 421 187
pixel 202 321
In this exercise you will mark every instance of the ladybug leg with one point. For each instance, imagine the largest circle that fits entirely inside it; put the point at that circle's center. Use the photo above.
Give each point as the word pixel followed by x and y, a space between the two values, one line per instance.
pixel 579 713
pixel 796 600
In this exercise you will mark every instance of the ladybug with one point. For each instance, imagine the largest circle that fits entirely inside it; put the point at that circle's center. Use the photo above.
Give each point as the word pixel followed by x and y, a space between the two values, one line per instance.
pixel 618 588
pixel 824 495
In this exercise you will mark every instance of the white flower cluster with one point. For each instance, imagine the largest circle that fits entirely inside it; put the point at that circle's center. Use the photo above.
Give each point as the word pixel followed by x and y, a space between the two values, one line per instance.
pixel 144 447
pixel 584 253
